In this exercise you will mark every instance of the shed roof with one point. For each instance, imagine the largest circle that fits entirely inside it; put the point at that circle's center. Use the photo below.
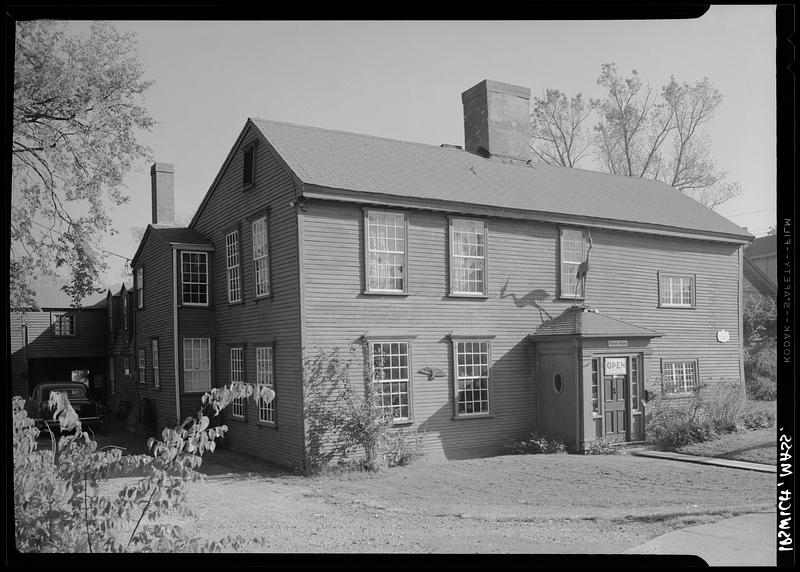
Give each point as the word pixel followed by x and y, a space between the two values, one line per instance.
pixel 378 166
pixel 579 321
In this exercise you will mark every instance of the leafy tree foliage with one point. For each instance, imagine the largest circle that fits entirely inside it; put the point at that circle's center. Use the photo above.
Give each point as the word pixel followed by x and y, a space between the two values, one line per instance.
pixel 638 133
pixel 76 116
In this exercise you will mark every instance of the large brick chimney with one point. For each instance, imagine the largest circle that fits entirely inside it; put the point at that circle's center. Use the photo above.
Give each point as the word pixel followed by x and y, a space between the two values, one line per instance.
pixel 162 176
pixel 497 121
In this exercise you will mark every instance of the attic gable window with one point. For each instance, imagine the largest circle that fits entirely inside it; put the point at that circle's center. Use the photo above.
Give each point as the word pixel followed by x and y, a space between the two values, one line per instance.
pixel 385 251
pixel 468 257
pixel 572 249
pixel 63 324
pixel 248 166
pixel 194 278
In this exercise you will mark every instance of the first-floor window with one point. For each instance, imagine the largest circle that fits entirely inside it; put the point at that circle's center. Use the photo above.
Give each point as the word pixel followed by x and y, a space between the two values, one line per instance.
pixel 472 377
pixel 142 365
pixel 679 376
pixel 196 364
pixel 391 377
pixel 595 387
pixel 237 375
pixel 156 369
pixel 265 376
pixel 112 379
pixel 635 404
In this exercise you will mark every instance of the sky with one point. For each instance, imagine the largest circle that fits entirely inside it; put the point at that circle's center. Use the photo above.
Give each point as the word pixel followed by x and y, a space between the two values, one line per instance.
pixel 403 80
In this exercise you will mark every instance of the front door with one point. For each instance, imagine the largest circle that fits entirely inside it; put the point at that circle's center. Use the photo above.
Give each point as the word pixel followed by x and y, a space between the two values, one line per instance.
pixel 615 398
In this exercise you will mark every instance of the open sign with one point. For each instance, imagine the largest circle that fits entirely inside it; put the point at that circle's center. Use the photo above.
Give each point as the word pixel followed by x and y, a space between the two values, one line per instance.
pixel 616 365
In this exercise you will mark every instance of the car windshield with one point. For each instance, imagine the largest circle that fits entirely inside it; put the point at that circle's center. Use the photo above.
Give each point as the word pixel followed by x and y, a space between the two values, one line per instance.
pixel 72 392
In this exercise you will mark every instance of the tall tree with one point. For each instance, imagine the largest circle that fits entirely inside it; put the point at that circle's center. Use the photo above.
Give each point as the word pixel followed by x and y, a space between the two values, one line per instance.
pixel 77 116
pixel 557 132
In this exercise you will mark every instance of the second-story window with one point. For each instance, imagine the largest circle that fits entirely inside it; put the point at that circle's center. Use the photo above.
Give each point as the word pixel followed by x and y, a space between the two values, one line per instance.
pixel 142 365
pixel 232 263
pixel 676 290
pixel 156 368
pixel 140 287
pixel 194 268
pixel 468 257
pixel 386 251
pixel 261 256
pixel 63 324
pixel 573 253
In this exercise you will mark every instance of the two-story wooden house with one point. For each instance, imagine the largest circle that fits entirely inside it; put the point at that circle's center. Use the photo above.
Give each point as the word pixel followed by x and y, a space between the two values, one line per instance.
pixel 501 296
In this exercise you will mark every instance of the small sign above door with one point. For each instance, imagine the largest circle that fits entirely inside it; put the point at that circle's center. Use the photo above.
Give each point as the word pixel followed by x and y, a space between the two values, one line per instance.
pixel 616 365
pixel 618 343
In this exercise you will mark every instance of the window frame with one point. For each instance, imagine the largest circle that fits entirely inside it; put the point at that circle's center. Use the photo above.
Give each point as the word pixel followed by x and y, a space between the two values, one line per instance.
pixel 140 287
pixel 452 257
pixel 368 289
pixel 662 275
pixel 408 381
pixel 184 282
pixel 489 401
pixel 249 149
pixel 112 376
pixel 270 374
pixel 186 370
pixel 240 402
pixel 561 290
pixel 125 310
pixel 126 366
pixel 685 361
pixel 142 365
pixel 237 267
pixel 57 319
pixel 266 256
pixel 154 363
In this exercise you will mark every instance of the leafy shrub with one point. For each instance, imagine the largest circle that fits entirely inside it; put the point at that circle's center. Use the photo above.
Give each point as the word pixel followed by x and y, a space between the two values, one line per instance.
pixel 672 426
pixel 403 447
pixel 761 419
pixel 762 388
pixel 601 446
pixel 722 403
pixel 538 444
pixel 57 502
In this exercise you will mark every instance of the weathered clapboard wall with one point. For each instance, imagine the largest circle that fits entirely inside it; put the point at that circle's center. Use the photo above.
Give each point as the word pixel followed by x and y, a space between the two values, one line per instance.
pixel 256 322
pixel 522 292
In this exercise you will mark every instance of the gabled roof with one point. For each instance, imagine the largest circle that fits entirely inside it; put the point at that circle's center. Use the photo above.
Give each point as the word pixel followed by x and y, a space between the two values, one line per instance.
pixel 578 321
pixel 172 235
pixel 372 166
pixel 762 246
pixel 48 294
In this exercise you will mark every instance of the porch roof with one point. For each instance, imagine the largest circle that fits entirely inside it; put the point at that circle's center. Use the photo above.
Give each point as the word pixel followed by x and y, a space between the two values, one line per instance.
pixel 589 323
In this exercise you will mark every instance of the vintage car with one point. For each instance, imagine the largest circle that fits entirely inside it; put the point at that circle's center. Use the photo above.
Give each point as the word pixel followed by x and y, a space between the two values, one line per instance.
pixel 89 411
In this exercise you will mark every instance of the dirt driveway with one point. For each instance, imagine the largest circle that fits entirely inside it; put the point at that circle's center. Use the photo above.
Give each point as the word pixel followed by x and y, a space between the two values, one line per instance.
pixel 509 504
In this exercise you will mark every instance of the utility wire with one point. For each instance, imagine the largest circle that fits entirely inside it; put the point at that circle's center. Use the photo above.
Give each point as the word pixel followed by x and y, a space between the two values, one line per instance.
pixel 752 212
pixel 126 258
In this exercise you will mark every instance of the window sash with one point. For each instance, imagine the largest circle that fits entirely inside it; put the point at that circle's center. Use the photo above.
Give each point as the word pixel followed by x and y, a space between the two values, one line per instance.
pixel 386 251
pixel 156 367
pixel 679 377
pixel 232 264
pixel 468 248
pixel 196 364
pixel 261 256
pixel 595 387
pixel 265 376
pixel 237 375
pixel 142 365
pixel 194 278
pixel 64 324
pixel 392 365
pixel 572 252
pixel 635 406
pixel 677 290
pixel 140 287
pixel 471 377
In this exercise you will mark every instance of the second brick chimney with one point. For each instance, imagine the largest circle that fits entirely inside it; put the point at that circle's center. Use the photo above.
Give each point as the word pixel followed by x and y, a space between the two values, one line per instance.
pixel 162 177
pixel 497 121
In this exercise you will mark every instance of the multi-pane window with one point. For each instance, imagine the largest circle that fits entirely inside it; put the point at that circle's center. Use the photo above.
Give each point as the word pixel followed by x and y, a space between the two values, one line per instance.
pixel 391 369
pixel 232 262
pixel 194 272
pixel 386 251
pixel 467 257
pixel 64 324
pixel 112 377
pixel 196 364
pixel 472 377
pixel 261 256
pixel 142 365
pixel 573 253
pixel 677 290
pixel 125 309
pixel 140 287
pixel 156 368
pixel 679 376
pixel 248 175
pixel 264 376
pixel 595 387
pixel 237 375
pixel 635 405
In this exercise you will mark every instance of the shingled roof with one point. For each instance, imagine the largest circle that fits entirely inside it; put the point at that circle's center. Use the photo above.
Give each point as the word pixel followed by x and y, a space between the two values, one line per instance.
pixel 172 235
pixel 384 167
pixel 762 246
pixel 578 321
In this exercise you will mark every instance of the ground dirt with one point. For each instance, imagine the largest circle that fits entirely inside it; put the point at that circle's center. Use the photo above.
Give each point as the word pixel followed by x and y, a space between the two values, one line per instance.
pixel 507 504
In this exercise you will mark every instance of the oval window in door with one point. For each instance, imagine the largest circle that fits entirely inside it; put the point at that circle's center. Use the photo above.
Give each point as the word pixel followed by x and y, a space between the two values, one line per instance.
pixel 558 383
